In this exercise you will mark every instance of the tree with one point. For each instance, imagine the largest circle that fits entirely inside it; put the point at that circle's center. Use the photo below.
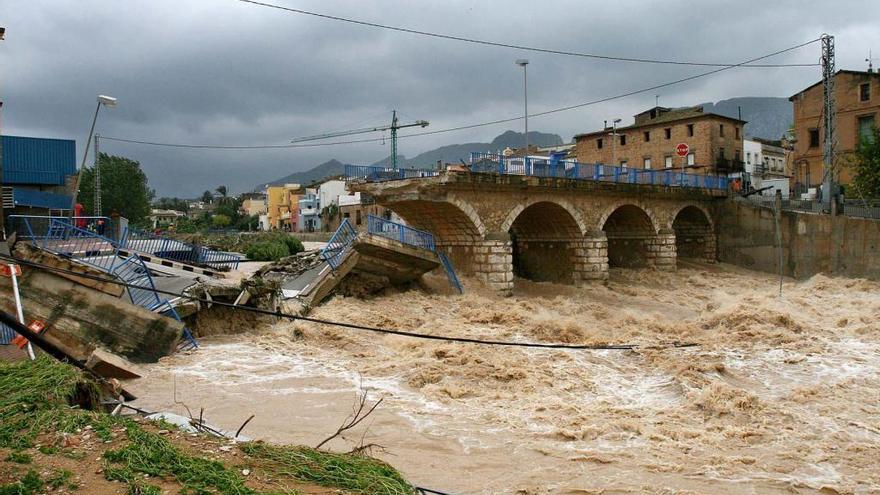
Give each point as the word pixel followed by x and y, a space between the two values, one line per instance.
pixel 221 190
pixel 220 221
pixel 207 197
pixel 176 204
pixel 867 166
pixel 123 188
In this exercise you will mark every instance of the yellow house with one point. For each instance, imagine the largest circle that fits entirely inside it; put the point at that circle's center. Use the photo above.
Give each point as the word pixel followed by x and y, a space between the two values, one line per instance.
pixel 282 204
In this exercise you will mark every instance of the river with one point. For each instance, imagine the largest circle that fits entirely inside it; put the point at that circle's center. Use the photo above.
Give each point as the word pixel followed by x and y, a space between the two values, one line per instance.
pixel 780 395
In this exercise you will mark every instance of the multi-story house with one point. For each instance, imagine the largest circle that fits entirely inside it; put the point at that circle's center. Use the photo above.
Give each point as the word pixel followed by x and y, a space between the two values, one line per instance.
pixel 310 211
pixel 857 101
pixel 715 141
pixel 767 164
pixel 282 207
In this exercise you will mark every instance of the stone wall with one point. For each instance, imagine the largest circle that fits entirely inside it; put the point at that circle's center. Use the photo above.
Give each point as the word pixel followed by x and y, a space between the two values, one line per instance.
pixel 811 243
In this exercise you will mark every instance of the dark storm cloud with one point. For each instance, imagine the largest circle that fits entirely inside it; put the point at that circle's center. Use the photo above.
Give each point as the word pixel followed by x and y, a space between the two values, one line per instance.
pixel 224 72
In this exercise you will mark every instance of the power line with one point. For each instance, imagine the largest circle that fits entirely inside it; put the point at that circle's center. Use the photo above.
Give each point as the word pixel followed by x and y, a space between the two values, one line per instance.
pixel 482 124
pixel 507 45
pixel 353 326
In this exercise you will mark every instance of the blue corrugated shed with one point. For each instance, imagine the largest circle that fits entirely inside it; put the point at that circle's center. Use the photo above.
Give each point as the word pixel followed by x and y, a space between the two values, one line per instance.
pixel 30 160
pixel 40 199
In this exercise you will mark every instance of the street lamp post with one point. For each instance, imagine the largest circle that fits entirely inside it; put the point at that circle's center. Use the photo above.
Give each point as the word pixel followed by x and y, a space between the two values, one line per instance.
pixel 523 63
pixel 104 100
pixel 614 142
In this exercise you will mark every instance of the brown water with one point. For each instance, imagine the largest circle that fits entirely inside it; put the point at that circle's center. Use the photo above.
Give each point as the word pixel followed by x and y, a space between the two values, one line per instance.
pixel 780 397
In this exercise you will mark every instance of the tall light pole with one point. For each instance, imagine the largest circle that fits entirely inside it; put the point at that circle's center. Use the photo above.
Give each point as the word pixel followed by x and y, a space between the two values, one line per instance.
pixel 523 63
pixel 104 100
pixel 614 142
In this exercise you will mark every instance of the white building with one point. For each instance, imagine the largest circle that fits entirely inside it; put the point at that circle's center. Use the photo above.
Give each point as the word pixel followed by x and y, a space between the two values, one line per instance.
pixel 766 164
pixel 329 192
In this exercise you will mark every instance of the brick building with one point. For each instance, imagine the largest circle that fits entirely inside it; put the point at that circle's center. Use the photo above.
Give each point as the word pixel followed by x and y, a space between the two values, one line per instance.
pixel 857 99
pixel 715 141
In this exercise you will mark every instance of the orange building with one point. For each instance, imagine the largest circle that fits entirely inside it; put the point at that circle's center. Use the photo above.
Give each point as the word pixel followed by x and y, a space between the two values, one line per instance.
pixel 857 101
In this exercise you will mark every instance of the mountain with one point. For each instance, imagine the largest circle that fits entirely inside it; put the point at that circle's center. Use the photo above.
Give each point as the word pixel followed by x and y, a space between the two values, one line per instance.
pixel 767 117
pixel 326 169
pixel 451 153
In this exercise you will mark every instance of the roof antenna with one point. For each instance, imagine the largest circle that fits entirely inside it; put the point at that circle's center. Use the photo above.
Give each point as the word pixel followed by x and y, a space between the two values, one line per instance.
pixel 656 100
pixel 870 61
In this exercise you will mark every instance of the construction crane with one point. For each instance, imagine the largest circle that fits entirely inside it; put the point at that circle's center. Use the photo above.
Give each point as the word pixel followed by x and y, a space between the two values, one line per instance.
pixel 393 128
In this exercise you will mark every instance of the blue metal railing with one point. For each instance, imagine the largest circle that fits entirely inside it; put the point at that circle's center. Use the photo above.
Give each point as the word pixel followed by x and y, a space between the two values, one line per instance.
pixel 400 232
pixel 572 169
pixel 450 272
pixel 176 250
pixel 378 174
pixel 36 227
pixel 102 253
pixel 6 334
pixel 335 250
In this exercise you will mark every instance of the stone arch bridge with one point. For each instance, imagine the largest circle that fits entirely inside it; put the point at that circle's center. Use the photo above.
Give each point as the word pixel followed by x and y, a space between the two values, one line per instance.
pixel 496 226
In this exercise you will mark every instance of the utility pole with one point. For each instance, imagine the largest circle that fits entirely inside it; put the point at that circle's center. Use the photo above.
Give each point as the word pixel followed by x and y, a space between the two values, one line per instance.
pixel 830 120
pixel 97 178
pixel 524 63
pixel 614 142
pixel 394 140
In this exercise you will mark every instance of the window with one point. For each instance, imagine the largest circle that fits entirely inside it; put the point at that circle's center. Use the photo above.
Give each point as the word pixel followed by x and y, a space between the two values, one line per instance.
pixel 623 164
pixel 737 155
pixel 736 132
pixel 647 162
pixel 667 161
pixel 866 129
pixel 749 157
pixel 690 130
pixel 691 159
pixel 721 153
pixel 647 136
pixel 864 92
pixel 721 130
pixel 623 139
pixel 599 143
pixel 357 217
pixel 668 132
pixel 814 138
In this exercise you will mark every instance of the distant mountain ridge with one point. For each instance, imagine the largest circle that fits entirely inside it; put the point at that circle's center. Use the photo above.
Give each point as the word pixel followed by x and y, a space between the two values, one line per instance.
pixel 450 153
pixel 766 117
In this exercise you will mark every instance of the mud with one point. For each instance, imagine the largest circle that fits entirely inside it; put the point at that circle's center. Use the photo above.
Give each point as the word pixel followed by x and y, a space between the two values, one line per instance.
pixel 781 396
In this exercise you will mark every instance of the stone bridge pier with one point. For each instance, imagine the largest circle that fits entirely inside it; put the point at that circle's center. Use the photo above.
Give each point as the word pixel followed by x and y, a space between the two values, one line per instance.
pixel 497 228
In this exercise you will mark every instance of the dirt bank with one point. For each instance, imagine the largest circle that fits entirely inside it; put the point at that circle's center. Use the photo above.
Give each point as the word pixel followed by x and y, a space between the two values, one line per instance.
pixel 780 396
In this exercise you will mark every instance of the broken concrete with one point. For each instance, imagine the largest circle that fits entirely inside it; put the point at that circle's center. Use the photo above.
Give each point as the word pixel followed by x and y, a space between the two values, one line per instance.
pixel 112 366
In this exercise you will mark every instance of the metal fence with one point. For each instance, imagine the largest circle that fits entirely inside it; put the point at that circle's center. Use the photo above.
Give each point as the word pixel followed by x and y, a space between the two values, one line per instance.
pixel 598 172
pixel 172 249
pixel 868 208
pixel 335 250
pixel 400 232
pixel 378 174
pixel 36 227
pixel 450 272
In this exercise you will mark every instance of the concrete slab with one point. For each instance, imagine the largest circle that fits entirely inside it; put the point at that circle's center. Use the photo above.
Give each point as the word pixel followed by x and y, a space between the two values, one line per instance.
pixel 112 366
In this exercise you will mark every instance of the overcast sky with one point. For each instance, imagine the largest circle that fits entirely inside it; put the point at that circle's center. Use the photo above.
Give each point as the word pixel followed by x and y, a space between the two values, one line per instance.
pixel 231 73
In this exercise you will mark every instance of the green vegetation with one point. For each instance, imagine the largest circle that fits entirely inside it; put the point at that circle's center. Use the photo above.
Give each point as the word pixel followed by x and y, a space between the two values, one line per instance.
pixel 48 397
pixel 29 484
pixel 19 457
pixel 123 189
pixel 867 166
pixel 358 474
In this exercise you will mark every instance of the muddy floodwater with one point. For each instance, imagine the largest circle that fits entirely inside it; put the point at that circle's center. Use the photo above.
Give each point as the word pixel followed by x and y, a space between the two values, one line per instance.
pixel 782 395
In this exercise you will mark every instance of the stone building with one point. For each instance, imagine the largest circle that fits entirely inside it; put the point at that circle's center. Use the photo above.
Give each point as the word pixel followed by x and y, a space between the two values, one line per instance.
pixel 857 99
pixel 715 141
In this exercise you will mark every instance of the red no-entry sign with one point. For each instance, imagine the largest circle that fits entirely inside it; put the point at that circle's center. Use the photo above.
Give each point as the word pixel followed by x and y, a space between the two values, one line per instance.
pixel 682 149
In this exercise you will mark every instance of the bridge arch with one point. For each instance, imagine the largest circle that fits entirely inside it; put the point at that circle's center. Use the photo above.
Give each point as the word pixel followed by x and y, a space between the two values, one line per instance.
pixel 631 232
pixel 545 237
pixel 694 233
pixel 569 208
pixel 457 228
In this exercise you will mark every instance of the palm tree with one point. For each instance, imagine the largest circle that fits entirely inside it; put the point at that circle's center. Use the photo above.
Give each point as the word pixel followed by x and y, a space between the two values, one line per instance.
pixel 221 190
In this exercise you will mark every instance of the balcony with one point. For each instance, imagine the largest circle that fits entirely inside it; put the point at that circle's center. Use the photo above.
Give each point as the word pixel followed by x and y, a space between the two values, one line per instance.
pixel 726 166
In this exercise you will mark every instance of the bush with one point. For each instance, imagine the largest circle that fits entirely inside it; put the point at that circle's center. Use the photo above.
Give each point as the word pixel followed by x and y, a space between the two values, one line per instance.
pixel 267 251
pixel 294 245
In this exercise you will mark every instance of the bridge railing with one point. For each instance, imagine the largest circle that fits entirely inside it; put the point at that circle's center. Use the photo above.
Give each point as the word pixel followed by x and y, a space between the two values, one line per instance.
pixel 334 252
pixel 572 169
pixel 379 174
pixel 36 227
pixel 400 232
pixel 177 250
